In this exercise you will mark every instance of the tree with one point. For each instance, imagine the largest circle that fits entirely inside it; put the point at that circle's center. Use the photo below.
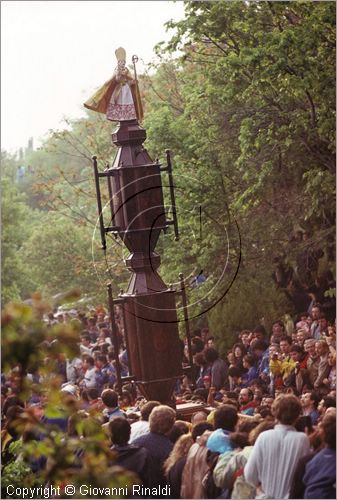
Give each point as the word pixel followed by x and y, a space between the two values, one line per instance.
pixel 250 112
pixel 58 254
pixel 16 217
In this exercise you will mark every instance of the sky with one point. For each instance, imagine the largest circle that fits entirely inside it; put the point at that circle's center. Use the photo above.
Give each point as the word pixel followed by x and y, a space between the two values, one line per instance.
pixel 55 54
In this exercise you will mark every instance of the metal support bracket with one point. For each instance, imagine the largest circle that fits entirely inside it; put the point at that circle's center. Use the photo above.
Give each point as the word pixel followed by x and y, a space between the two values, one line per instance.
pixel 168 169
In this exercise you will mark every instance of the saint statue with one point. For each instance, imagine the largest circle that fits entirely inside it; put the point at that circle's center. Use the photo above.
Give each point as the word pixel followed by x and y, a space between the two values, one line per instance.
pixel 119 97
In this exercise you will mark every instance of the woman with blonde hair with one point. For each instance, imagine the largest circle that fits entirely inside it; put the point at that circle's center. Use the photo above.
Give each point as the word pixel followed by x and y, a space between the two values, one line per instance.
pixel 174 464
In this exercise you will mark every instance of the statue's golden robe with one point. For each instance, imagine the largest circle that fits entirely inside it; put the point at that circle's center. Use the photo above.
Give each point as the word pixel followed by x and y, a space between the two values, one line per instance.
pixel 107 95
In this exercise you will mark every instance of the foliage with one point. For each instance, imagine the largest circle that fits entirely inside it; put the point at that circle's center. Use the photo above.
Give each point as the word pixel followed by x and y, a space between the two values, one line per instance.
pixel 16 218
pixel 57 253
pixel 27 343
pixel 249 112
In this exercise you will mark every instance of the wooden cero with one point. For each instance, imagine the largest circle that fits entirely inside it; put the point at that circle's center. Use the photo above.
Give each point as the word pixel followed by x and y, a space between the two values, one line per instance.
pixel 138 216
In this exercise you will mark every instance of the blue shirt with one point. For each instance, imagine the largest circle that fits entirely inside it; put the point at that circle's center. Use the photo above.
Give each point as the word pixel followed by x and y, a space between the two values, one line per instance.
pixel 249 376
pixel 263 365
pixel 116 412
pixel 219 441
pixel 320 475
pixel 159 447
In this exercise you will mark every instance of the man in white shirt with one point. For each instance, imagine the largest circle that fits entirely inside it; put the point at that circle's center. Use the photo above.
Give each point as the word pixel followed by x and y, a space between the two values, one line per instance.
pixel 85 345
pixel 271 465
pixel 142 426
pixel 89 381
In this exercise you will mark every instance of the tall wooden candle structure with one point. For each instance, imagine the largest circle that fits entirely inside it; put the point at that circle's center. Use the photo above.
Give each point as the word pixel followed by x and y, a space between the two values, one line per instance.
pixel 138 216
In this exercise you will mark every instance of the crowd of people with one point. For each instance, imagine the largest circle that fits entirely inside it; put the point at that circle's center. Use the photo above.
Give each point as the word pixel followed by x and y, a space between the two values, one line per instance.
pixel 263 421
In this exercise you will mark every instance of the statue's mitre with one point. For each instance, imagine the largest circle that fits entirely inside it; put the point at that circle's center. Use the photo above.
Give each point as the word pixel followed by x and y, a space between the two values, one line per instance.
pixel 120 54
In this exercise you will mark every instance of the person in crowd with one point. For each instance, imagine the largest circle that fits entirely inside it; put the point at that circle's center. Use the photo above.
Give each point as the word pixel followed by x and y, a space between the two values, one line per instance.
pixel 179 429
pixel 198 417
pixel 156 441
pixel 247 402
pixel 277 330
pixel 219 369
pixel 239 351
pixel 230 359
pixel 309 401
pixel 259 333
pixel 86 345
pixel 251 370
pixel 93 329
pixel 225 420
pixel 267 401
pixel 95 402
pixel 245 338
pixel 133 458
pixel 315 315
pixel 103 338
pixel 175 463
pixel 89 380
pixel 142 426
pixel 283 365
pixel 110 401
pixel 330 381
pixel 322 351
pixel 204 368
pixel 10 431
pixel 197 344
pixel 211 342
pixel 320 473
pixel 231 478
pixel 74 370
pixel 277 451
pixel 312 361
pixel 299 357
pixel 234 376
pixel 325 403
pixel 124 363
pixel 302 336
pixel 196 465
pixel 260 351
pixel 323 325
pixel 126 400
pixel 302 322
pixel 104 372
